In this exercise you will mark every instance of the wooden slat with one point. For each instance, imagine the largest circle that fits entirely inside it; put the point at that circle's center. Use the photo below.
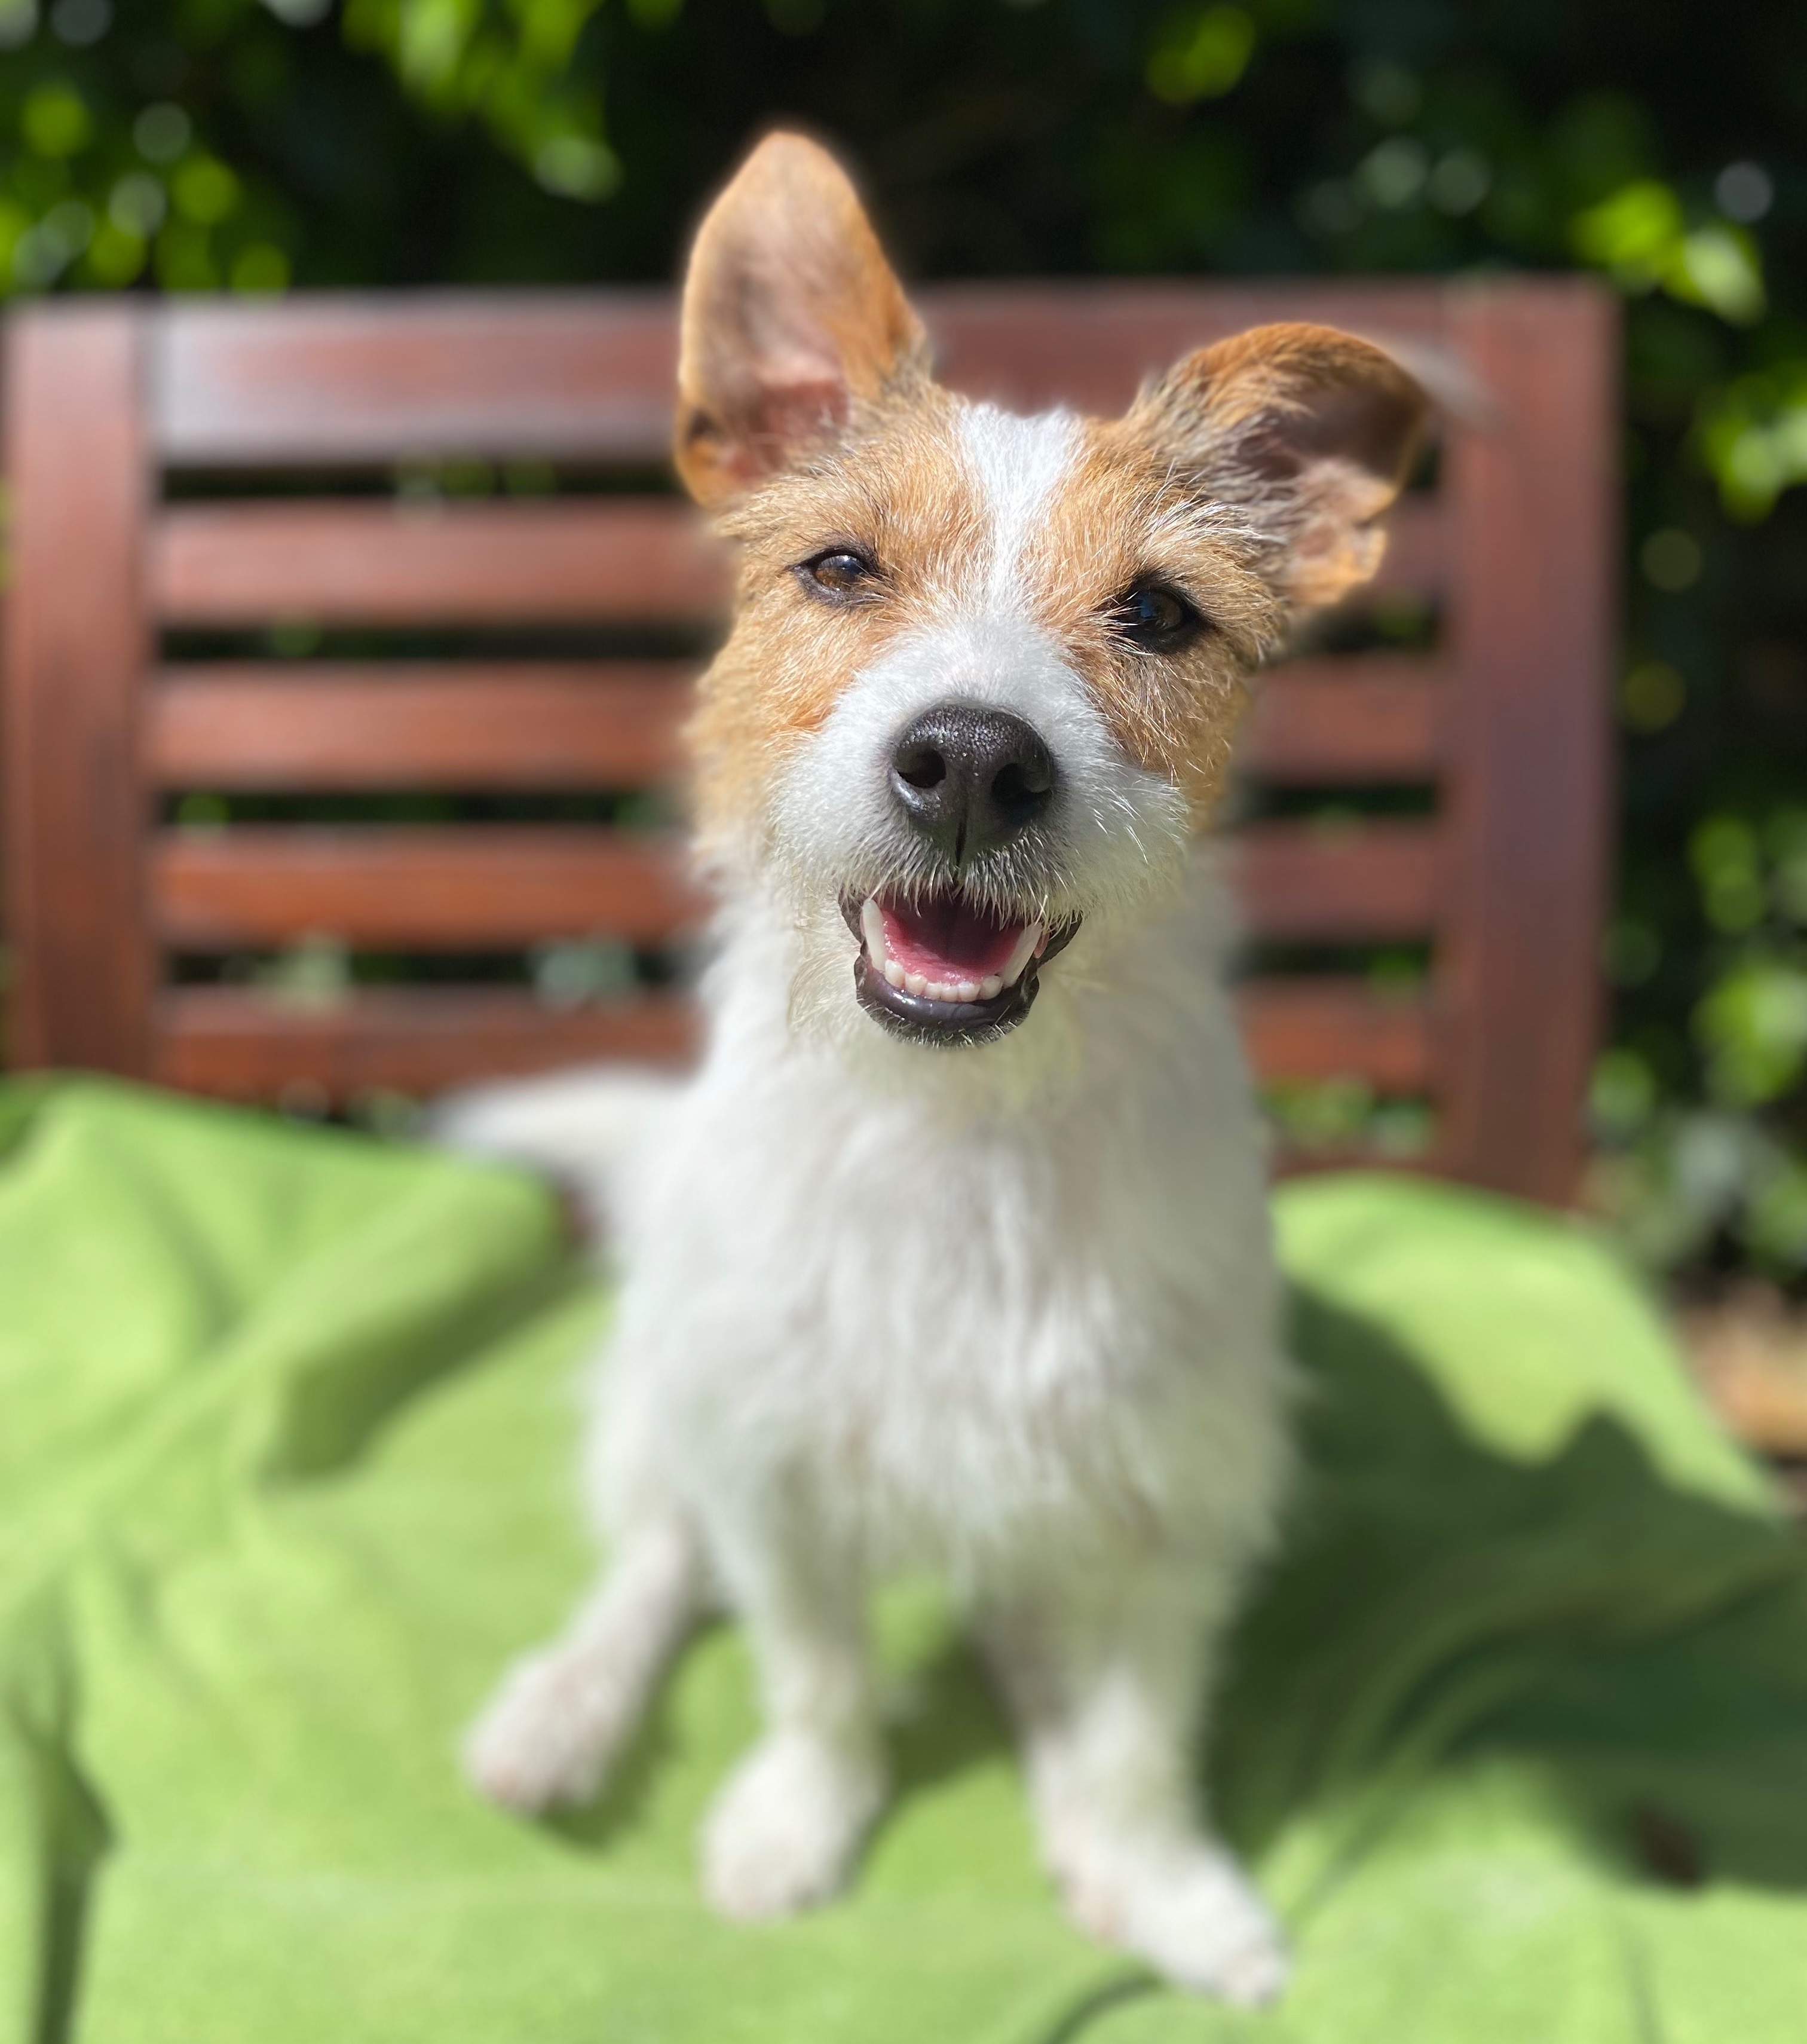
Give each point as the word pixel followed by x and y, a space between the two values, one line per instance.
pixel 612 724
pixel 363 562
pixel 461 889
pixel 617 725
pixel 1375 719
pixel 1091 344
pixel 244 1045
pixel 1336 1028
pixel 75 649
pixel 361 380
pixel 359 561
pixel 589 378
pixel 471 887
pixel 1364 882
pixel 1535 512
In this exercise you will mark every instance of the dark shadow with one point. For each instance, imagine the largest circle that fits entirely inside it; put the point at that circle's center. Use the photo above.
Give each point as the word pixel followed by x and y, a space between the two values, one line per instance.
pixel 75 1838
pixel 1646 1647
pixel 334 1412
pixel 951 1723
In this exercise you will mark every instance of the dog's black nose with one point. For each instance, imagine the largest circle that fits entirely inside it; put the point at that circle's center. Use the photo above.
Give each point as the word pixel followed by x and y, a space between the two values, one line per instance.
pixel 969 778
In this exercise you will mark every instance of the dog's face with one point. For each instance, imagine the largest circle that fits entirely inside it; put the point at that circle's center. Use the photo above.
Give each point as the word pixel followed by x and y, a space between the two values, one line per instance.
pixel 985 670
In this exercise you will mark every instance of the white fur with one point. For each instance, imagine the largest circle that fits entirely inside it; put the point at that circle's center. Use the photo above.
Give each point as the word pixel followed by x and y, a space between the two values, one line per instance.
pixel 1006 1312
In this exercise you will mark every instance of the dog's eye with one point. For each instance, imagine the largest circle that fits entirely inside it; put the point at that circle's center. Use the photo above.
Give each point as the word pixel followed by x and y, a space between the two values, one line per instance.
pixel 1155 617
pixel 839 572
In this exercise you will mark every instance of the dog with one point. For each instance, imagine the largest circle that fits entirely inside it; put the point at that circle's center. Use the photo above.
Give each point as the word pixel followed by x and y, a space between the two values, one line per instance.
pixel 954 1253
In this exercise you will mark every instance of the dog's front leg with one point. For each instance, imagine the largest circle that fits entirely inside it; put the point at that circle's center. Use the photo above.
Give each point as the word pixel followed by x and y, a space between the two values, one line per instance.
pixel 784 1833
pixel 1107 1683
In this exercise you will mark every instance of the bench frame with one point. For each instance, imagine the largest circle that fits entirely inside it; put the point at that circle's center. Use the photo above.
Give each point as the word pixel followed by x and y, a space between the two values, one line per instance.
pixel 103 400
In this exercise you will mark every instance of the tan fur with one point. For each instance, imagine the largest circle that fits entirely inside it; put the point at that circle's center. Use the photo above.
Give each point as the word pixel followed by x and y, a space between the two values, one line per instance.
pixel 1314 431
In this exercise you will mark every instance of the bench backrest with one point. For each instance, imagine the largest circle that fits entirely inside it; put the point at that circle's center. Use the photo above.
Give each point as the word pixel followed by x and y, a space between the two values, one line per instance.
pixel 217 589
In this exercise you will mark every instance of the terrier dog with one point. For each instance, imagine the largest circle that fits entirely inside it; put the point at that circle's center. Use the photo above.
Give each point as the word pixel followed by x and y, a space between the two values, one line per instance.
pixel 955 1251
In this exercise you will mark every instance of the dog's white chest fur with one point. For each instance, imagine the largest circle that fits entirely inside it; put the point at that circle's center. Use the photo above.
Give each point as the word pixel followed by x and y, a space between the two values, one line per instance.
pixel 968 1315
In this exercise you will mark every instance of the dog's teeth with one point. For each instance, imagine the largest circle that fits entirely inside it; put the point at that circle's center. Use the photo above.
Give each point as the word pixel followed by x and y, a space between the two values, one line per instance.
pixel 1026 947
pixel 914 983
pixel 990 987
pixel 871 928
pixel 893 972
pixel 968 989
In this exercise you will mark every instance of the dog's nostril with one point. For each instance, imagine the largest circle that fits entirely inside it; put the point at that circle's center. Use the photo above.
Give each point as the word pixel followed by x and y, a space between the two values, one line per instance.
pixel 921 766
pixel 1024 783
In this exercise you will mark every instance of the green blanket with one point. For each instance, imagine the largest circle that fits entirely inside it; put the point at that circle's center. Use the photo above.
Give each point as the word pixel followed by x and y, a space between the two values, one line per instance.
pixel 1516 1734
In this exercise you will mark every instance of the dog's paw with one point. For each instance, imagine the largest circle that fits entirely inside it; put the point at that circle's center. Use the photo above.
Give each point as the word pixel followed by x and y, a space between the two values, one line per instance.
pixel 546 1737
pixel 1192 1914
pixel 784 1833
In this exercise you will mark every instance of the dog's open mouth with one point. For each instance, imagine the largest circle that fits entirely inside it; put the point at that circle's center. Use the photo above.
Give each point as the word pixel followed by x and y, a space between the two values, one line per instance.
pixel 936 970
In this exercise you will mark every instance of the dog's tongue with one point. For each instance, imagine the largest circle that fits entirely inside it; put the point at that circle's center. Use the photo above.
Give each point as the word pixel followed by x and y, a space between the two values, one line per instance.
pixel 947 940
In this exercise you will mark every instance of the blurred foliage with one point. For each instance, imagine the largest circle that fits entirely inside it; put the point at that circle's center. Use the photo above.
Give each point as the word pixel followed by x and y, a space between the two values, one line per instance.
pixel 255 144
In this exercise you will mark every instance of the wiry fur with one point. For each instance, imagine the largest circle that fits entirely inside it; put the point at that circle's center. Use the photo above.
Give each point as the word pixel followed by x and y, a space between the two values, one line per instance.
pixel 1007 1311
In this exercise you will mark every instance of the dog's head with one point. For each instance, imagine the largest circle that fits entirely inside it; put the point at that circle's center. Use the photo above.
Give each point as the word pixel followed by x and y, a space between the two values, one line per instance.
pixel 985 670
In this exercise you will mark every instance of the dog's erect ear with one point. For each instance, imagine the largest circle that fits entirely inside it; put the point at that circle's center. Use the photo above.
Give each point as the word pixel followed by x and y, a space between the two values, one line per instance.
pixel 1312 432
pixel 791 315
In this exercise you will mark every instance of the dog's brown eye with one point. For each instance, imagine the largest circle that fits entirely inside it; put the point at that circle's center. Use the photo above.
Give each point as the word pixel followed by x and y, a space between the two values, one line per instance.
pixel 1155 617
pixel 840 572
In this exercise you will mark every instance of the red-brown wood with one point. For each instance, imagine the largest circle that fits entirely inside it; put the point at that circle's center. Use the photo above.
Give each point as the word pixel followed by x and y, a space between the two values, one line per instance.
pixel 74 653
pixel 643 560
pixel 614 725
pixel 366 381
pixel 1530 795
pixel 248 1046
pixel 474 886
pixel 245 1044
pixel 1302 1029
pixel 1354 882
pixel 1376 719
pixel 462 888
pixel 607 724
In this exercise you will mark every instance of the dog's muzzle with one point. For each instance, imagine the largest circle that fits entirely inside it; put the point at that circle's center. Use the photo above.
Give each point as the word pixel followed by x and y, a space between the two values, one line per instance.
pixel 934 969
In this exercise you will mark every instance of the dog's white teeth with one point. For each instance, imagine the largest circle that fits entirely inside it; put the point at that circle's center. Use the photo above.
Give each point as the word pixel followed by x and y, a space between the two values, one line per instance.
pixel 871 928
pixel 990 987
pixel 893 972
pixel 914 983
pixel 968 989
pixel 1025 948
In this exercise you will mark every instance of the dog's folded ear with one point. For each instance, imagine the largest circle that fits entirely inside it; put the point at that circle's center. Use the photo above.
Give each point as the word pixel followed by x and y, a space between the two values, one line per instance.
pixel 791 315
pixel 1310 431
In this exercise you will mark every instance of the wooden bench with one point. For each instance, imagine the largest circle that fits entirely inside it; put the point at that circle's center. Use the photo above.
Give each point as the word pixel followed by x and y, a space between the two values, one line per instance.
pixel 197 486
